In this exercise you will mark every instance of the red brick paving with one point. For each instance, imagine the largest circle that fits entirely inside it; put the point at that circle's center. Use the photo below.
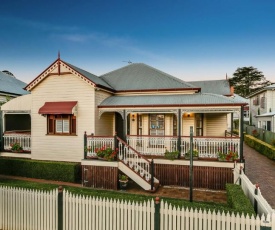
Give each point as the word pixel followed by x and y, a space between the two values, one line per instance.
pixel 260 169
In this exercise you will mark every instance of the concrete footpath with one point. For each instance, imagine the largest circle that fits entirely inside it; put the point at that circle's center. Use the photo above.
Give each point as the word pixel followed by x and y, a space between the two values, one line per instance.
pixel 261 170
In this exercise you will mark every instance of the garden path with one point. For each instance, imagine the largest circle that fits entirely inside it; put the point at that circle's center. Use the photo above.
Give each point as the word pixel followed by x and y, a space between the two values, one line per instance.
pixel 261 170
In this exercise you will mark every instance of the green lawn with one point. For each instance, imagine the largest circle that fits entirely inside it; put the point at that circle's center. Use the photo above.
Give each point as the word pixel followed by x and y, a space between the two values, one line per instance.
pixel 114 194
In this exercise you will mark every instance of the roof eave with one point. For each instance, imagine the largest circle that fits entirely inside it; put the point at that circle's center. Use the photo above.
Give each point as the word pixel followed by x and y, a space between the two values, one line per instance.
pixel 157 90
pixel 171 105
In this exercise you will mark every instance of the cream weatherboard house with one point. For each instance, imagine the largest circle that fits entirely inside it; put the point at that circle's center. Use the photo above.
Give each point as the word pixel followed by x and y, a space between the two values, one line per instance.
pixel 150 112
pixel 262 108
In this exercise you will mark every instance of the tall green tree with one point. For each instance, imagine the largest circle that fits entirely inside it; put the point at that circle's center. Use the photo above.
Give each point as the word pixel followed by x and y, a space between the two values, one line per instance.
pixel 247 80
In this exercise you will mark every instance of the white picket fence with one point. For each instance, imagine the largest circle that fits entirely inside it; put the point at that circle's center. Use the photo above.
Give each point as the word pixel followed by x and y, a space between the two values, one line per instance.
pixel 24 209
pixel 249 190
pixel 175 218
pixel 82 213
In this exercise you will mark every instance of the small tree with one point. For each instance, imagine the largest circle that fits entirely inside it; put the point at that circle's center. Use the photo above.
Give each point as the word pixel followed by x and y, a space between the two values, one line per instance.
pixel 246 80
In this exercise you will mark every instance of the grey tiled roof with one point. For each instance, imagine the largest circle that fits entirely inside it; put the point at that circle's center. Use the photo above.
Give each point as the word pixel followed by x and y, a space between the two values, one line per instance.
pixel 269 87
pixel 169 100
pixel 138 76
pixel 221 87
pixel 92 77
pixel 11 85
pixel 238 97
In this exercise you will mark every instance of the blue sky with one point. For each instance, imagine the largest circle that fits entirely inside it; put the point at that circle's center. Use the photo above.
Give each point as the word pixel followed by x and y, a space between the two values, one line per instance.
pixel 190 39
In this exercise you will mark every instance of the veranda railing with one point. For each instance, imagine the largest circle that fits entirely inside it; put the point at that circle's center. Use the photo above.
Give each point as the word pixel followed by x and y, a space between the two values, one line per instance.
pixel 96 142
pixel 152 145
pixel 134 160
pixel 23 138
pixel 208 147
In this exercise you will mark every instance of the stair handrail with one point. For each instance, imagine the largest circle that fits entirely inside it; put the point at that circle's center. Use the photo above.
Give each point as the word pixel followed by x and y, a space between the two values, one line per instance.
pixel 134 160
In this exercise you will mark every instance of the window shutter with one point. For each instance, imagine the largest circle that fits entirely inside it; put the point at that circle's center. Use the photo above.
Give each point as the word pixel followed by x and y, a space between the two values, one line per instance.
pixel 74 125
pixel 50 124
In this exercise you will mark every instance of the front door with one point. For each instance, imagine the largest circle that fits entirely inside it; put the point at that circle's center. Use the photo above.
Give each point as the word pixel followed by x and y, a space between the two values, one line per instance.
pixel 119 126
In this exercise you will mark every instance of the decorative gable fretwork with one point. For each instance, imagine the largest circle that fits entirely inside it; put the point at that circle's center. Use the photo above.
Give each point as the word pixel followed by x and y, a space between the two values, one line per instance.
pixel 42 76
pixel 211 110
pixel 58 68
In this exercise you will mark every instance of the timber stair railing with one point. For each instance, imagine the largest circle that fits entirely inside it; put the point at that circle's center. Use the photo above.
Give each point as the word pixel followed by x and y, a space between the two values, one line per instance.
pixel 136 166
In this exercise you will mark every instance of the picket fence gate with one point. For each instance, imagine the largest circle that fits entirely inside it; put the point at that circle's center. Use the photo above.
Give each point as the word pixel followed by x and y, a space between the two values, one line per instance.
pixel 23 209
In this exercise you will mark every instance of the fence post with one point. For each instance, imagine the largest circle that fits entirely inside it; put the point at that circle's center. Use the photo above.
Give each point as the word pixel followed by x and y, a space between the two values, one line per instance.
pixel 240 180
pixel 255 200
pixel 191 166
pixel 85 145
pixel 152 174
pixel 179 132
pixel 157 213
pixel 1 131
pixel 115 141
pixel 60 208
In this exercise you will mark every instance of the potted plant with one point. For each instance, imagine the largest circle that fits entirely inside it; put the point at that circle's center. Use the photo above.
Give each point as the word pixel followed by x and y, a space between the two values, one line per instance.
pixel 106 153
pixel 229 156
pixel 195 154
pixel 16 147
pixel 171 155
pixel 123 181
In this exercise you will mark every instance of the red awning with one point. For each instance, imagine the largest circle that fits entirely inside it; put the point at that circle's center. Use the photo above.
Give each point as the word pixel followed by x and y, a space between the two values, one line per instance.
pixel 60 107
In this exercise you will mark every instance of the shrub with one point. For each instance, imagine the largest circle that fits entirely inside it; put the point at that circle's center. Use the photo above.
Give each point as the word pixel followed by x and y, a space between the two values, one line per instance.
pixel 237 200
pixel 48 170
pixel 171 155
pixel 262 147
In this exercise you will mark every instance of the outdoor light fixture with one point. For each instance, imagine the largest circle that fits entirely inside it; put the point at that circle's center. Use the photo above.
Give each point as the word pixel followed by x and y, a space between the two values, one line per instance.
pixel 133 117
pixel 188 114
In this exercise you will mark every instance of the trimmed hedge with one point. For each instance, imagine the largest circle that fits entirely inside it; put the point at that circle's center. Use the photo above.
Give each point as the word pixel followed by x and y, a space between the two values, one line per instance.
pixel 48 170
pixel 237 200
pixel 262 147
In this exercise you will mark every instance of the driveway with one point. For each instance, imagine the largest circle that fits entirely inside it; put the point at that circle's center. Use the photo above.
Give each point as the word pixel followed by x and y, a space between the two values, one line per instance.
pixel 261 170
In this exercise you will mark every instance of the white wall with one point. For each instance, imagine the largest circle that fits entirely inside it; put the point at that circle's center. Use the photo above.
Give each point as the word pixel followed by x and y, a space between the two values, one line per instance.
pixel 61 88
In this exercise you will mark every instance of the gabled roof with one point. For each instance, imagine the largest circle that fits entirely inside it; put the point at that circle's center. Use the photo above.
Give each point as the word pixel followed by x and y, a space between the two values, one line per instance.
pixel 98 81
pixel 269 87
pixel 141 77
pixel 239 98
pixel 86 76
pixel 10 85
pixel 182 100
pixel 221 87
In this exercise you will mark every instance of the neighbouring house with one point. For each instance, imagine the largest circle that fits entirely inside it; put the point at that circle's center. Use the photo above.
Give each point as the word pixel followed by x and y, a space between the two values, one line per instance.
pixel 222 87
pixel 140 112
pixel 262 108
pixel 10 87
pixel 245 110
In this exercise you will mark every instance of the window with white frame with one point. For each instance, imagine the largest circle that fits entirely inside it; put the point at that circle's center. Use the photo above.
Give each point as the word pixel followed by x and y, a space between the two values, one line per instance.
pixel 259 124
pixel 61 124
